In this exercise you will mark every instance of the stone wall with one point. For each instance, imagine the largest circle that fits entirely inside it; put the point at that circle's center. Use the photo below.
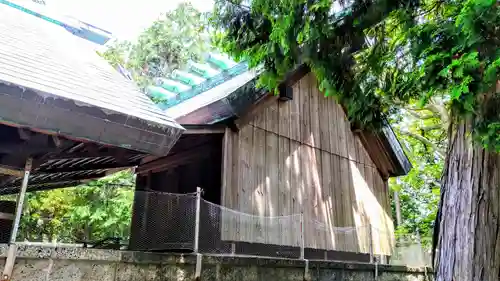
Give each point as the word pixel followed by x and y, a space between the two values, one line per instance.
pixel 77 264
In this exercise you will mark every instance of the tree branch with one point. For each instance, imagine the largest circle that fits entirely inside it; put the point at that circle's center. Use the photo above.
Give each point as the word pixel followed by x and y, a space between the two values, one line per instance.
pixel 432 127
pixel 425 141
pixel 414 113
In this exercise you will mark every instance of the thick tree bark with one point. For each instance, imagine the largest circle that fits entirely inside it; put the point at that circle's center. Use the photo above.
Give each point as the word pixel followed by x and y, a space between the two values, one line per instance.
pixel 468 245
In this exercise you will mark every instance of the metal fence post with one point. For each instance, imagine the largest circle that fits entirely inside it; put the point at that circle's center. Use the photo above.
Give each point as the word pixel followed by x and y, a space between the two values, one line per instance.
pixel 421 249
pixel 422 253
pixel 197 220
pixel 370 234
pixel 302 239
pixel 12 251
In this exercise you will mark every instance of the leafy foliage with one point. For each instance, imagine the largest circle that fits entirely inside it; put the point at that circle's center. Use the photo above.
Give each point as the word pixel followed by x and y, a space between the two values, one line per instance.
pixel 425 137
pixel 169 43
pixel 377 56
pixel 94 211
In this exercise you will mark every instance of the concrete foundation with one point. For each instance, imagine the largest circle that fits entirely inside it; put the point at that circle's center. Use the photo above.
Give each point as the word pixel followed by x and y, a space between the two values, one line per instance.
pixel 77 264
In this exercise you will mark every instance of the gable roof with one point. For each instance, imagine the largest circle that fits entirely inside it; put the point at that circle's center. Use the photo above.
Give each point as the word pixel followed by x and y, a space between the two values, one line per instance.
pixel 200 84
pixel 55 82
pixel 71 24
pixel 383 146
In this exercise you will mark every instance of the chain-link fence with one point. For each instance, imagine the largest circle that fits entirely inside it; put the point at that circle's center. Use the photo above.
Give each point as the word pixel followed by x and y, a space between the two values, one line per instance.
pixel 171 227
pixel 410 250
pixel 187 223
pixel 225 231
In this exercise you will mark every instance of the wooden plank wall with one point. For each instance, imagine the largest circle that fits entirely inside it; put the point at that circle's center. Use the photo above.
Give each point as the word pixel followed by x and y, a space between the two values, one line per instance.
pixel 300 156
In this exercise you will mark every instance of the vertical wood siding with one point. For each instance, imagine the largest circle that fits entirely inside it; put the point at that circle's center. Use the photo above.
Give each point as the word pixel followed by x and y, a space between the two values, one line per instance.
pixel 300 156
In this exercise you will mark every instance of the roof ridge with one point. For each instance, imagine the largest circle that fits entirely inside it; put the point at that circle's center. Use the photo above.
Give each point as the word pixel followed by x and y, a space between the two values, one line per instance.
pixel 199 77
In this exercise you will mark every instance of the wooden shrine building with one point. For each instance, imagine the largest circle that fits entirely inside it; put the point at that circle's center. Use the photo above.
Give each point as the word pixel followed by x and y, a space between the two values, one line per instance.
pixel 276 155
pixel 66 116
pixel 65 107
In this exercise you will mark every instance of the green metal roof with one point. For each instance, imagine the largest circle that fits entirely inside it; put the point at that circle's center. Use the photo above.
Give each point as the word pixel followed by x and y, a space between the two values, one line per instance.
pixel 197 78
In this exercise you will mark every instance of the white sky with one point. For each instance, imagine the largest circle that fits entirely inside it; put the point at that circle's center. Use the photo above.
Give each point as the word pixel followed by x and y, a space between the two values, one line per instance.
pixel 124 18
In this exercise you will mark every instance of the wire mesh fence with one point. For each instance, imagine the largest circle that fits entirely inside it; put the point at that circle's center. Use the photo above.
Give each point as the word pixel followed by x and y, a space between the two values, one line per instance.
pixel 225 231
pixel 171 227
pixel 187 223
pixel 410 250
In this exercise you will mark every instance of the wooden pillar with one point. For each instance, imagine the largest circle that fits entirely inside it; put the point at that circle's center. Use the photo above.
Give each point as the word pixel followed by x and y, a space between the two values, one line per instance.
pixel 12 251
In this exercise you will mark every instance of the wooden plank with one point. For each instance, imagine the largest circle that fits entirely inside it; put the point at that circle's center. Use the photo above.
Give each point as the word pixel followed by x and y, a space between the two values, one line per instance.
pixel 383 232
pixel 366 157
pixel 341 131
pixel 252 186
pixel 359 149
pixel 259 118
pixel 333 125
pixel 227 165
pixel 336 192
pixel 346 182
pixel 325 123
pixel 356 147
pixel 245 180
pixel 4 170
pixel 367 206
pixel 256 109
pixel 295 184
pixel 318 211
pixel 314 107
pixel 236 164
pixel 284 163
pixel 204 131
pixel 259 205
pixel 284 170
pixel 295 106
pixel 346 203
pixel 351 147
pixel 284 118
pixel 305 116
pixel 272 166
pixel 235 142
pixel 228 224
pixel 177 159
pixel 380 228
pixel 326 183
pixel 304 194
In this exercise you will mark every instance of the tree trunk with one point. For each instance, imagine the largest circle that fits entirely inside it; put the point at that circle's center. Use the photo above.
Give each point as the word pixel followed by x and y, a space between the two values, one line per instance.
pixel 468 245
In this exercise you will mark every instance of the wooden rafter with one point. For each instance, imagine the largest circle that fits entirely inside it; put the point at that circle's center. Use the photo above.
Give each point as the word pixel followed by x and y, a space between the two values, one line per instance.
pixel 79 168
pixel 175 159
pixel 5 170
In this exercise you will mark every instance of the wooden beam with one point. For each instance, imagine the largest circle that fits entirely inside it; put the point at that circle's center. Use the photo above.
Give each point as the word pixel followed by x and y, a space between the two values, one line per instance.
pixel 57 179
pixel 175 159
pixel 5 170
pixel 24 149
pixel 24 134
pixel 295 75
pixel 40 187
pixel 88 154
pixel 201 131
pixel 255 109
pixel 78 168
pixel 57 141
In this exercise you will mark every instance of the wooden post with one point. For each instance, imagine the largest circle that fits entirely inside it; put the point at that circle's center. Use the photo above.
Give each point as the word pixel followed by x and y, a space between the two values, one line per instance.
pixel 233 248
pixel 302 240
pixel 370 235
pixel 197 221
pixel 397 202
pixel 12 251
